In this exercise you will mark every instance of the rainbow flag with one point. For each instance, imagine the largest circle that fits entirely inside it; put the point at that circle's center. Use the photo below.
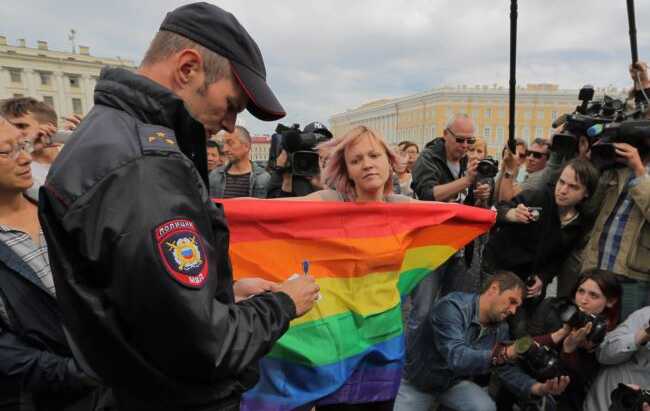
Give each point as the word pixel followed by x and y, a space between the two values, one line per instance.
pixel 349 347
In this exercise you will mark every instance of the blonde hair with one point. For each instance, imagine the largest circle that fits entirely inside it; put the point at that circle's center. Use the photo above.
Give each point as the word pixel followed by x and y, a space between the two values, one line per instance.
pixel 481 141
pixel 336 172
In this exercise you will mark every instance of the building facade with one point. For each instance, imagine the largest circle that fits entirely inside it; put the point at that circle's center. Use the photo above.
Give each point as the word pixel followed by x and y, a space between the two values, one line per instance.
pixel 260 146
pixel 65 80
pixel 422 117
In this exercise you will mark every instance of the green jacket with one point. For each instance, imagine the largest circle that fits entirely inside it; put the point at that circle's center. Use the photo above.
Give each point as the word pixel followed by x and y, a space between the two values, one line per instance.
pixel 633 259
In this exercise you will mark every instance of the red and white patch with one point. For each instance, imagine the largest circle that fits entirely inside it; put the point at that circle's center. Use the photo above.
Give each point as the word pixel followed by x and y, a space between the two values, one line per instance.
pixel 182 252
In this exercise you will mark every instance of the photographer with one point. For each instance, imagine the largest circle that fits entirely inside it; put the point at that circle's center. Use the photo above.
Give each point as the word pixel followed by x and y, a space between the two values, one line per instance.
pixel 286 180
pixel 625 354
pixel 558 324
pixel 535 161
pixel 463 341
pixel 620 240
pixel 537 230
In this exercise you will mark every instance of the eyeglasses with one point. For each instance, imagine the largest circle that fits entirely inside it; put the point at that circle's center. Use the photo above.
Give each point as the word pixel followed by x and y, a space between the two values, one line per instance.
pixel 461 140
pixel 27 146
pixel 535 154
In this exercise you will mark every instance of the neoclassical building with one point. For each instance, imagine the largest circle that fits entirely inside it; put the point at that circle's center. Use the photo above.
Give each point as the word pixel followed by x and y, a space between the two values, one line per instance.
pixel 421 117
pixel 65 80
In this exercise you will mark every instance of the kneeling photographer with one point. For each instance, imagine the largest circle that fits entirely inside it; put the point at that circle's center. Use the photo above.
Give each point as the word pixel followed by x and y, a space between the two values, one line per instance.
pixel 294 162
pixel 537 230
pixel 565 333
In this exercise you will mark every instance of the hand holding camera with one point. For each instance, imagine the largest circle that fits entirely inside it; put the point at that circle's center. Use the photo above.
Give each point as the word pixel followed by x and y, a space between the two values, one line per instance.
pixel 524 215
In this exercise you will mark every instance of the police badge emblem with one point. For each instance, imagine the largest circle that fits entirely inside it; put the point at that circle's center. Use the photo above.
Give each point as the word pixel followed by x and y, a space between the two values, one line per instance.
pixel 182 252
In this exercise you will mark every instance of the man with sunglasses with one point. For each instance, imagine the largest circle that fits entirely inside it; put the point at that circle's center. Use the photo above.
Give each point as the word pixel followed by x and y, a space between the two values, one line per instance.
pixel 536 158
pixel 442 173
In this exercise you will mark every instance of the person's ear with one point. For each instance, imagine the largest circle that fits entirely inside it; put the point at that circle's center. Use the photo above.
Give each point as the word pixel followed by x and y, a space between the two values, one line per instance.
pixel 189 68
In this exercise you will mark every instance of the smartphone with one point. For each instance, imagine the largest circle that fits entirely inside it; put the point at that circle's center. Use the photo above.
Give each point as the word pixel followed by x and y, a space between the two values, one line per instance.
pixel 60 137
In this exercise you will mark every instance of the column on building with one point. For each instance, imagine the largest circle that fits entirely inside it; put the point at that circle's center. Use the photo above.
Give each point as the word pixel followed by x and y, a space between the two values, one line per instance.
pixel 30 82
pixel 61 104
pixel 88 90
pixel 5 80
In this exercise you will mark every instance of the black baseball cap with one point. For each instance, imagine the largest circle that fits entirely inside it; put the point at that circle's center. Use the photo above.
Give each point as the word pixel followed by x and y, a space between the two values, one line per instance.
pixel 219 31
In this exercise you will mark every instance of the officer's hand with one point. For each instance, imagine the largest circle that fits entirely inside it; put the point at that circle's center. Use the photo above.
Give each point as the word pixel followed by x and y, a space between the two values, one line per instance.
pixel 248 287
pixel 535 289
pixel 639 72
pixel 72 122
pixel 303 290
pixel 42 138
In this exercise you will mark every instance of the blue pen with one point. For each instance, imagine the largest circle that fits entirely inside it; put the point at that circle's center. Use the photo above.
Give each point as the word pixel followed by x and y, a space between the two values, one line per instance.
pixel 305 267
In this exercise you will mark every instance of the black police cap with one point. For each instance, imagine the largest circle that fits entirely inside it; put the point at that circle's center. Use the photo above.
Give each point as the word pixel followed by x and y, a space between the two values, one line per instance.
pixel 219 31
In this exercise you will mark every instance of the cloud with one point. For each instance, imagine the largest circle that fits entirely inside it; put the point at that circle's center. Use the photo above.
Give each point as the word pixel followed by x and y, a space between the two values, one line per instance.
pixel 324 57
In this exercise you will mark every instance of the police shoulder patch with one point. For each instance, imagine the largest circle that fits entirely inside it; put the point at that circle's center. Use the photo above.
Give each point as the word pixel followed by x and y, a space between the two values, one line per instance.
pixel 182 252
pixel 157 138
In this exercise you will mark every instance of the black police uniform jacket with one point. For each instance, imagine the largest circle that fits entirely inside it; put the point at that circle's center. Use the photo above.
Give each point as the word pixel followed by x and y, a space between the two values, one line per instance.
pixel 140 260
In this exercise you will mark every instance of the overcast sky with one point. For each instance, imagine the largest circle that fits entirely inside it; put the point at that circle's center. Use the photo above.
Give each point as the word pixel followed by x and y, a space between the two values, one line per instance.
pixel 324 57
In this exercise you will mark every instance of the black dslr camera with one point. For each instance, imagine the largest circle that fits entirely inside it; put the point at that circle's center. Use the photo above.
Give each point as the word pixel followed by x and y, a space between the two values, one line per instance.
pixel 603 122
pixel 542 362
pixel 487 168
pixel 625 398
pixel 576 318
pixel 300 146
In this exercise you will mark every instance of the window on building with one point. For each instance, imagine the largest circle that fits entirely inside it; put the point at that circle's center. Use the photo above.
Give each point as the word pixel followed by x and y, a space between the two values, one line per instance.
pixel 15 75
pixel 487 131
pixel 18 95
pixel 528 115
pixel 76 106
pixel 74 81
pixel 46 78
pixel 450 112
pixel 502 113
pixel 539 132
pixel 488 113
pixel 475 114
pixel 540 114
pixel 49 100
pixel 433 132
pixel 499 139
pixel 553 115
pixel 526 134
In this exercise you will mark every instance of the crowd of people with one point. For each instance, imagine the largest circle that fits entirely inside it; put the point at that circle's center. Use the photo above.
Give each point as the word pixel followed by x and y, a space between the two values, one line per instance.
pixel 88 288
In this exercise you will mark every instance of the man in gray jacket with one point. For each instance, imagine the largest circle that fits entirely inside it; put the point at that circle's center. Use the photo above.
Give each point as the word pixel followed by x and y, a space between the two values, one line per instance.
pixel 240 177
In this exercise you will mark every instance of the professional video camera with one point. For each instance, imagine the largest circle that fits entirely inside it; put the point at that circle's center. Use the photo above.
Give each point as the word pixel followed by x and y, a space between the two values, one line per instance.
pixel 603 122
pixel 576 318
pixel 300 146
pixel 541 361
pixel 625 398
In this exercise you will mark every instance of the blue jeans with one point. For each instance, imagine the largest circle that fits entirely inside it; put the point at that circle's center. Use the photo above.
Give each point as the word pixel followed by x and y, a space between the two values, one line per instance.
pixel 464 396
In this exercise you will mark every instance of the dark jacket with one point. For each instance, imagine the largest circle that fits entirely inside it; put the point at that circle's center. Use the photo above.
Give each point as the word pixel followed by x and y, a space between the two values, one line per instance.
pixel 455 347
pixel 431 169
pixel 580 366
pixel 37 370
pixel 140 260
pixel 535 248
pixel 258 181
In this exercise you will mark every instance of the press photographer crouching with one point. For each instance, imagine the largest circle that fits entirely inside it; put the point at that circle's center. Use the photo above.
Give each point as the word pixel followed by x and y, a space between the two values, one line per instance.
pixel 537 230
pixel 294 161
pixel 571 328
pixel 624 356
pixel 465 338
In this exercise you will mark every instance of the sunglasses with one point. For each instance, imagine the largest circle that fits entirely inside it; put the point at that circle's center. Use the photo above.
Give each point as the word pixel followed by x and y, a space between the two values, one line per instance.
pixel 461 140
pixel 535 154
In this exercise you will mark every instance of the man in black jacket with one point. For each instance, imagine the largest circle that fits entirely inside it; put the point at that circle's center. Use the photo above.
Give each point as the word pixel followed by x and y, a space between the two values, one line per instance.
pixel 139 252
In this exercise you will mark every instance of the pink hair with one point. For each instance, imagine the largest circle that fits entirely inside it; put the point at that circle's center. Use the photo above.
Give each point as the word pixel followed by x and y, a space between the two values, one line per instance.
pixel 336 172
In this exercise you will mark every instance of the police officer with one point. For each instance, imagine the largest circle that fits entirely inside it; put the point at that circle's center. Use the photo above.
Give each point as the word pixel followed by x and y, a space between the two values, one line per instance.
pixel 138 251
